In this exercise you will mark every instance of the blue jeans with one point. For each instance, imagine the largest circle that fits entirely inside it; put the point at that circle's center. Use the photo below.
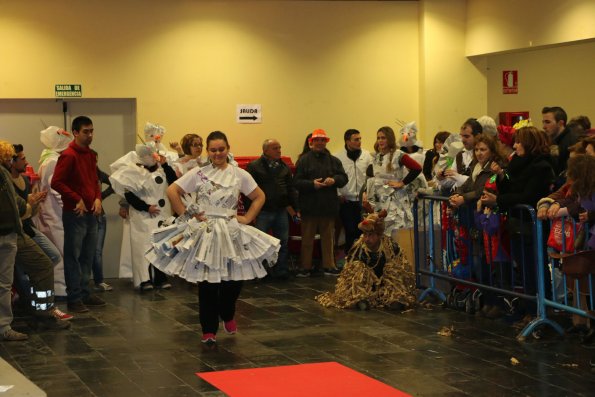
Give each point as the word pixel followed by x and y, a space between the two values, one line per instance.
pixel 80 242
pixel 278 223
pixel 47 246
pixel 98 258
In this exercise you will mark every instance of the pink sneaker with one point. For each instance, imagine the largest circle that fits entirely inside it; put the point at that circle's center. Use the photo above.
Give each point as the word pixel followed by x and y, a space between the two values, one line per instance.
pixel 230 327
pixel 208 338
pixel 60 315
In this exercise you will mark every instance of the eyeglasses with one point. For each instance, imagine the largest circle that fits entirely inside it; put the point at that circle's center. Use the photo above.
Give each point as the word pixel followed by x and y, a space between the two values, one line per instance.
pixel 196 145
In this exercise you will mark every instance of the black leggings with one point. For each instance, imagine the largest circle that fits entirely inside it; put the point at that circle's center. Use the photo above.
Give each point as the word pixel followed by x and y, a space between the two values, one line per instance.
pixel 217 300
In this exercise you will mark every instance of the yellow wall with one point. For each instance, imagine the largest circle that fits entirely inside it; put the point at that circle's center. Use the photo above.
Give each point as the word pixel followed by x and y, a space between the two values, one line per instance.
pixel 452 87
pixel 560 76
pixel 504 25
pixel 331 65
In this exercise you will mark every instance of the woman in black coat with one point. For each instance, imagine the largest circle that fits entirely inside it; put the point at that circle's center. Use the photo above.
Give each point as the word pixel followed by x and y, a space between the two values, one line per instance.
pixel 528 177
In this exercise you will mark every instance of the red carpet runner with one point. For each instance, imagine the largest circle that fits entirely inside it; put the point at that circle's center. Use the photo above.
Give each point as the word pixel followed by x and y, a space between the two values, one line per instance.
pixel 305 380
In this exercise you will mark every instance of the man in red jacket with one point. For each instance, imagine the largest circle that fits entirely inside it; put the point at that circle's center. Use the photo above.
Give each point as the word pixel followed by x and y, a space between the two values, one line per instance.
pixel 75 178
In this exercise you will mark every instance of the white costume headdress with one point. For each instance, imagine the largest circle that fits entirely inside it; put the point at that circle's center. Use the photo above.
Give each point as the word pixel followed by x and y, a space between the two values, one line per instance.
pixel 408 135
pixel 146 154
pixel 55 138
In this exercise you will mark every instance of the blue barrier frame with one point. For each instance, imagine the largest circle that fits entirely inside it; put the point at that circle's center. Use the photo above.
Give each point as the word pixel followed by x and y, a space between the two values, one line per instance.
pixel 542 302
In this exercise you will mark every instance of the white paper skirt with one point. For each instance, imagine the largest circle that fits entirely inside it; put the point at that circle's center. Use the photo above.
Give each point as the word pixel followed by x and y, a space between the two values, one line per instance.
pixel 219 249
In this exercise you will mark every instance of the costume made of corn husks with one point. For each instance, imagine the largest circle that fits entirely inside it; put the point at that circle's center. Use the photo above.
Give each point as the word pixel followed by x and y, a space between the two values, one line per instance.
pixel 219 248
pixel 398 203
pixel 381 278
pixel 129 176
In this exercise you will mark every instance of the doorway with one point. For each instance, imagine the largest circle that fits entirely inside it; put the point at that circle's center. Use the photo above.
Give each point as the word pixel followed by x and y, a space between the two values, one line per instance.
pixel 114 120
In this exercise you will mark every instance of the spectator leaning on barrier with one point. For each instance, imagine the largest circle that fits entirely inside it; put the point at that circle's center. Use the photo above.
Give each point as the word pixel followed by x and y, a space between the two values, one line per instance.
pixel 486 151
pixel 464 162
pixel 528 178
pixel 551 201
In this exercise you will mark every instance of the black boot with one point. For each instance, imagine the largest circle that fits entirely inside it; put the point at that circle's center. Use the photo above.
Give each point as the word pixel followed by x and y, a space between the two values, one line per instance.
pixel 48 322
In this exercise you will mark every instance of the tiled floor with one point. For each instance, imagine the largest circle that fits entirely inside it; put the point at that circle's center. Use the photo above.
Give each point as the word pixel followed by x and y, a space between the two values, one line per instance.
pixel 148 345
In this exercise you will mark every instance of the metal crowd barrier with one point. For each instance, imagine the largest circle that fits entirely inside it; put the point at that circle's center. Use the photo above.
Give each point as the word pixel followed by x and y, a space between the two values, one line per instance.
pixel 438 250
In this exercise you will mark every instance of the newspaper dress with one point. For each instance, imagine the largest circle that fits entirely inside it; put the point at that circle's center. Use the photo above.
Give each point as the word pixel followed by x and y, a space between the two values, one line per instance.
pixel 219 248
pixel 398 203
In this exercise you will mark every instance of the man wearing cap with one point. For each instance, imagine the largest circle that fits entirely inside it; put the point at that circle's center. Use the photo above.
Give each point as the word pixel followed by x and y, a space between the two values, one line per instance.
pixel 318 176
pixel 355 161
pixel 75 179
pixel 376 273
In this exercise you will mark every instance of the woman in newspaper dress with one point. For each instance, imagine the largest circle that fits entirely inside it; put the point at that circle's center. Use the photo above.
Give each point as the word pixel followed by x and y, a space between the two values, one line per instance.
pixel 397 177
pixel 209 243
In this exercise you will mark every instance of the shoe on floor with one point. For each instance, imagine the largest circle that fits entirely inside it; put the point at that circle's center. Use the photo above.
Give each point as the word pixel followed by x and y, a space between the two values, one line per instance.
pixel 11 335
pixel 165 285
pixel 208 338
pixel 146 286
pixel 332 272
pixel 230 327
pixel 50 322
pixel 102 287
pixel 94 301
pixel 303 273
pixel 60 315
pixel 77 307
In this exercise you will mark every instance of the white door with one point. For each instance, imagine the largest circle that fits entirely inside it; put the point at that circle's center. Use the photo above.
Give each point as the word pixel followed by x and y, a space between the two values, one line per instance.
pixel 115 130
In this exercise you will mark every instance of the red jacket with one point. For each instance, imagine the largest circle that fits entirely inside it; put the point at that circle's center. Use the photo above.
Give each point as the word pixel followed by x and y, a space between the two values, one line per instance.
pixel 75 177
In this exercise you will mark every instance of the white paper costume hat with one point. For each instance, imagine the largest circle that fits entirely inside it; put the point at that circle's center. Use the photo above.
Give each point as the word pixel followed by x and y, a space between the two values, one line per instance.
pixel 55 138
pixel 146 154
pixel 408 135
pixel 154 132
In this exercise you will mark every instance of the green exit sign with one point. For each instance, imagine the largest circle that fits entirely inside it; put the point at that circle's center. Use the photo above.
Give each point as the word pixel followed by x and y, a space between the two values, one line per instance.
pixel 69 90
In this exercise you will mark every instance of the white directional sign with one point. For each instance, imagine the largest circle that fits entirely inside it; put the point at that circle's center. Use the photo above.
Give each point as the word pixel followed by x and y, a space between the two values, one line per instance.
pixel 249 114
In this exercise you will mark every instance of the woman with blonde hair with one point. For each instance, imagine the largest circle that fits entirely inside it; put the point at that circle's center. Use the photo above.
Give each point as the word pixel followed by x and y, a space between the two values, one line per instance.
pixel 396 177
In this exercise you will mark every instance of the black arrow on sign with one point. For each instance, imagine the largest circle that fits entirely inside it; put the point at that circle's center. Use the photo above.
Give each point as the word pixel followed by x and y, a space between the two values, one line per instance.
pixel 248 118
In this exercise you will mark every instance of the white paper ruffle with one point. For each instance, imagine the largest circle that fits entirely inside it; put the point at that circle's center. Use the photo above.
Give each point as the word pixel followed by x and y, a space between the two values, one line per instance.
pixel 215 250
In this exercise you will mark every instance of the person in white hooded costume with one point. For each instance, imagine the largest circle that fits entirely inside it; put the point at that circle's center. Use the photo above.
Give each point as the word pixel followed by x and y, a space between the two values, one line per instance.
pixel 143 184
pixel 49 218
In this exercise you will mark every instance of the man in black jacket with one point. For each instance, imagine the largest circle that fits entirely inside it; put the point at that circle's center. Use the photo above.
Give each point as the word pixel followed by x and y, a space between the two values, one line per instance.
pixel 274 177
pixel 554 120
pixel 318 176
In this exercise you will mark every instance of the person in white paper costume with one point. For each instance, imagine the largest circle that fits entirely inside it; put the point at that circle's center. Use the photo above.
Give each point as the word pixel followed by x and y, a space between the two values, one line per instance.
pixel 393 182
pixel 153 135
pixel 49 218
pixel 209 243
pixel 144 185
pixel 445 181
pixel 410 144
